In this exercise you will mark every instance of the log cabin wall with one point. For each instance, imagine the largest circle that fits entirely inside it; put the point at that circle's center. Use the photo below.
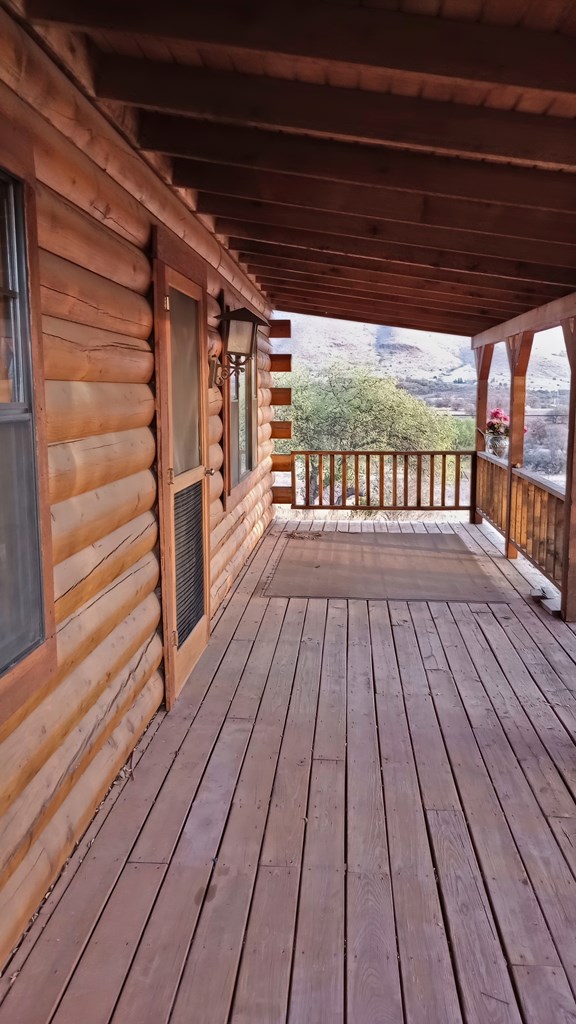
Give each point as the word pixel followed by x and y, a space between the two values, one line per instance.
pixel 60 752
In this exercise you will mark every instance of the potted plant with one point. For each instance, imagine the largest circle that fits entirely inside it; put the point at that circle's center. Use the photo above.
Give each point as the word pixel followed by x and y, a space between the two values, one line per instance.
pixel 497 433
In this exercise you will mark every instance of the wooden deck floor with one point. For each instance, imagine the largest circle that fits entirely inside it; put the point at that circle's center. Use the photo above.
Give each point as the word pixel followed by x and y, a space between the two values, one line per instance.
pixel 360 812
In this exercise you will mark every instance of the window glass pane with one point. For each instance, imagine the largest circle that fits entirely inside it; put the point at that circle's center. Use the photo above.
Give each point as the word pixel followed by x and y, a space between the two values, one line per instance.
pixel 21 612
pixel 185 381
pixel 10 370
pixel 244 431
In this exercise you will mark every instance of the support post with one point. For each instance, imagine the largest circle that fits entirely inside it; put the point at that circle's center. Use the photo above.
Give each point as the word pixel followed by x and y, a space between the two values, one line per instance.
pixel 518 349
pixel 483 358
pixel 568 590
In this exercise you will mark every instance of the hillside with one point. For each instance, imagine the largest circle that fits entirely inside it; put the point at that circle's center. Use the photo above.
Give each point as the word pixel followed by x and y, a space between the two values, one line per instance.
pixel 415 355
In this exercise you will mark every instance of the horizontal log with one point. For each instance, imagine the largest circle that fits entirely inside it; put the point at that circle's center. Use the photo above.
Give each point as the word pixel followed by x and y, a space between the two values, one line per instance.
pixel 78 466
pixel 27 749
pixel 214 342
pixel 68 232
pixel 75 351
pixel 280 328
pixel 282 495
pixel 214 401
pixel 281 463
pixel 264 396
pixel 281 362
pixel 72 293
pixel 223 558
pixel 215 429
pixel 24 890
pixel 265 381
pixel 77 409
pixel 87 626
pixel 83 576
pixel 248 492
pixel 215 456
pixel 265 414
pixel 88 517
pixel 34 807
pixel 216 485
pixel 264 432
pixel 253 527
pixel 76 118
pixel 216 513
pixel 281 396
pixel 282 429
pixel 263 360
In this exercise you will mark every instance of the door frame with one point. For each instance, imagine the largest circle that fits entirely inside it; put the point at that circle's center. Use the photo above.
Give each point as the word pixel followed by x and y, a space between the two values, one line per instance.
pixel 178 662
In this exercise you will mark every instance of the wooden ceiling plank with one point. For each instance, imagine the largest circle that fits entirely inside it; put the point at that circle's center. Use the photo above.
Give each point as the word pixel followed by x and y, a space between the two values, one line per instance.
pixel 366 37
pixel 362 315
pixel 541 319
pixel 302 250
pixel 349 114
pixel 397 251
pixel 423 311
pixel 387 204
pixel 475 243
pixel 368 165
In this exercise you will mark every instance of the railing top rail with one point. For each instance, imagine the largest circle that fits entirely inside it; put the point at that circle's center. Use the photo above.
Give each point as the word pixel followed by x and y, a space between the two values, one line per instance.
pixel 503 463
pixel 351 451
pixel 539 481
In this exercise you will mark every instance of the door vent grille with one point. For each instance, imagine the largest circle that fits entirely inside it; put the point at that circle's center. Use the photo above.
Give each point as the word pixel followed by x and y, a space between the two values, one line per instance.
pixel 189 555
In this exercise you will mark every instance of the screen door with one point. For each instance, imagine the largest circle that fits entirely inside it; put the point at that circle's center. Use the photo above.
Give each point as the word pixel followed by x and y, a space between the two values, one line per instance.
pixel 182 382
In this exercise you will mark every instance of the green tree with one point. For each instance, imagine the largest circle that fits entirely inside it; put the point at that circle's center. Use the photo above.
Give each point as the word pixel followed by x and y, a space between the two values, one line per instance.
pixel 348 408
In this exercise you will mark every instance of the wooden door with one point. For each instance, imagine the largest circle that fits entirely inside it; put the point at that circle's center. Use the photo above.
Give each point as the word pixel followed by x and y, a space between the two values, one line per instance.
pixel 182 411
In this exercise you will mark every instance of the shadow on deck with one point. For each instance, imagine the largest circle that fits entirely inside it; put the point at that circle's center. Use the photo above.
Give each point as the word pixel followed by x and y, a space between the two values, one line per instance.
pixel 359 811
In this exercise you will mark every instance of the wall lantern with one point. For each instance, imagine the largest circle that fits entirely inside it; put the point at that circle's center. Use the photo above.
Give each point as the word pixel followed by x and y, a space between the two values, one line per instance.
pixel 238 330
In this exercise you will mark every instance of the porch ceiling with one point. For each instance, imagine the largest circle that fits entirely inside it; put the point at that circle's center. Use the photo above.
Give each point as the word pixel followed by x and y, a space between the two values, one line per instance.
pixel 410 163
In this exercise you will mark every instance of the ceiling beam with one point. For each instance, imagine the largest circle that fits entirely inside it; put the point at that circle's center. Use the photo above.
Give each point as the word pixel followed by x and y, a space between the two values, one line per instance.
pixel 414 255
pixel 349 114
pixel 540 319
pixel 474 243
pixel 357 164
pixel 432 318
pixel 303 251
pixel 363 316
pixel 319 286
pixel 340 277
pixel 351 37
pixel 385 204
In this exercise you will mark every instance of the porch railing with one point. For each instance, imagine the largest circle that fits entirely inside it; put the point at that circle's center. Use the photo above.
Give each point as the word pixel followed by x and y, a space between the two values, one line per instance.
pixel 535 526
pixel 383 481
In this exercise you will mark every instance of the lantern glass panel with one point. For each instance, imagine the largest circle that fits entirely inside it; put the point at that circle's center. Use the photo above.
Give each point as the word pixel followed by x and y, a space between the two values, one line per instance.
pixel 240 334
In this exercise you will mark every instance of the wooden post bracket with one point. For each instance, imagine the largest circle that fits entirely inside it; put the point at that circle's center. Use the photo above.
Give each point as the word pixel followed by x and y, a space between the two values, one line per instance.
pixel 518 349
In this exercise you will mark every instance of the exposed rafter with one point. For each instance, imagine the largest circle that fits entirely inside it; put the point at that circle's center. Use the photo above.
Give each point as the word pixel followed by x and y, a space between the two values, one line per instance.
pixel 352 114
pixel 347 37
pixel 357 164
pixel 553 314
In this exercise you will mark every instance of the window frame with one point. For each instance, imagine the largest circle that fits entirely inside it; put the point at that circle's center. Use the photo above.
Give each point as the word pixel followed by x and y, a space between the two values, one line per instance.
pixel 32 674
pixel 233 492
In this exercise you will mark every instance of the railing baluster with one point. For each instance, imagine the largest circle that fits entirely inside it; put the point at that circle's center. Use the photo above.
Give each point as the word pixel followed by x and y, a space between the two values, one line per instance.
pixel 432 481
pixel 356 480
pixel 406 497
pixel 419 481
pixel 381 481
pixel 307 478
pixel 344 480
pixel 368 472
pixel 443 490
pixel 321 479
pixel 457 481
pixel 331 495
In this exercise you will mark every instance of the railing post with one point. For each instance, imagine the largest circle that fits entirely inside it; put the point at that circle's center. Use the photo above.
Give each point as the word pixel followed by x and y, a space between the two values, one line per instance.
pixel 483 358
pixel 518 349
pixel 568 589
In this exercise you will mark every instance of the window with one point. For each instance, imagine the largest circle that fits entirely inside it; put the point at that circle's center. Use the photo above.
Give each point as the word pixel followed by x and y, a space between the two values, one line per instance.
pixel 22 625
pixel 243 422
